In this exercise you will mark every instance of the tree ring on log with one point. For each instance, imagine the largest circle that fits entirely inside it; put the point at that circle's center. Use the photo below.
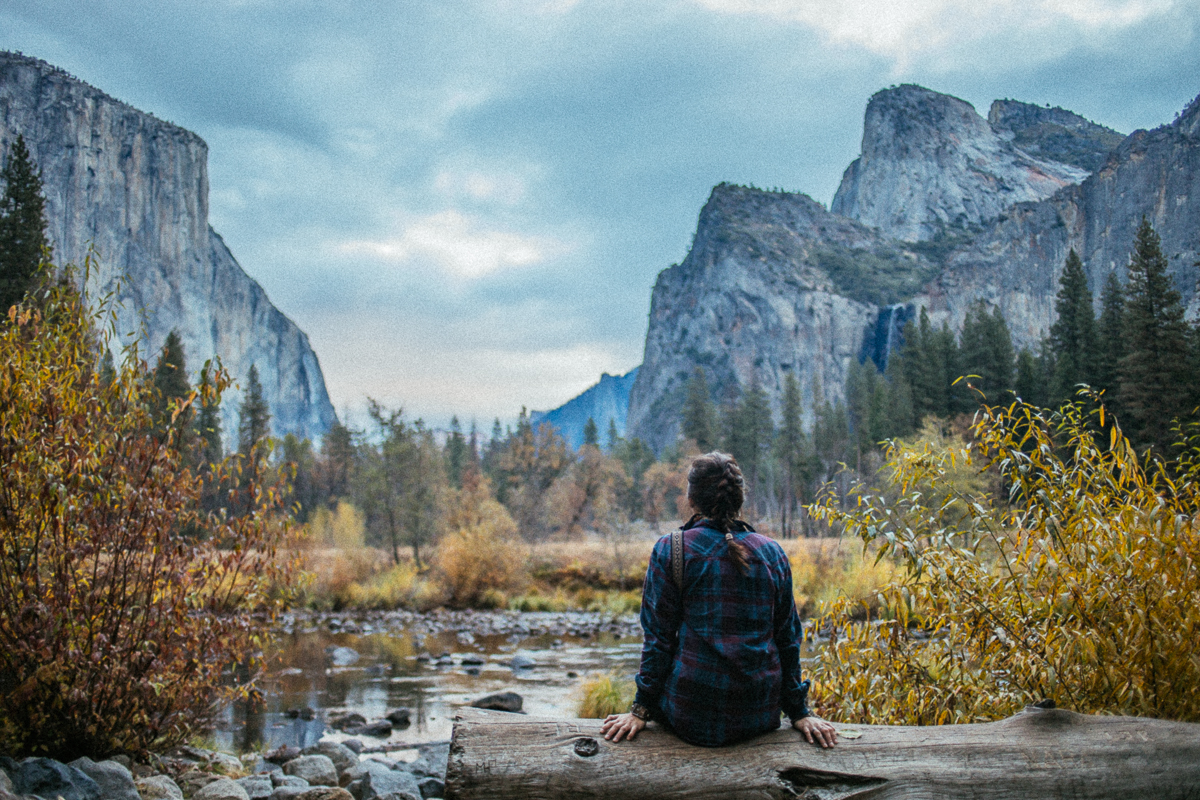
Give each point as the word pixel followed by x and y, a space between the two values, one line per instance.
pixel 586 746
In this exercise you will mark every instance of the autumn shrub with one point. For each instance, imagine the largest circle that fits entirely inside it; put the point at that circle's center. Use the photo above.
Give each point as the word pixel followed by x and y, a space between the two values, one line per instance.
pixel 602 695
pixel 480 558
pixel 118 603
pixel 1078 583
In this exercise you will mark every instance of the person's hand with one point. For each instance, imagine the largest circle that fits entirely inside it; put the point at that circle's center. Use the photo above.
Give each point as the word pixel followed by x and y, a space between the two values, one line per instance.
pixel 621 726
pixel 817 731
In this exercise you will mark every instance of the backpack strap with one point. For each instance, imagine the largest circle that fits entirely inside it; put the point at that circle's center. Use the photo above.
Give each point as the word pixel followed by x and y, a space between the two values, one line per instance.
pixel 677 559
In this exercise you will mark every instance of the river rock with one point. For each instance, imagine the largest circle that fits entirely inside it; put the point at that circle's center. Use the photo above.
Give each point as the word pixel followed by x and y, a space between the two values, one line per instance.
pixel 343 758
pixel 522 661
pixel 194 780
pixel 380 729
pixel 432 787
pixel 114 780
pixel 400 717
pixel 354 745
pixel 342 656
pixel 282 754
pixel 46 777
pixel 501 701
pixel 5 782
pixel 258 787
pixel 288 792
pixel 318 770
pixel 433 761
pixel 386 783
pixel 289 781
pixel 227 765
pixel 221 789
pixel 325 793
pixel 158 787
pixel 347 720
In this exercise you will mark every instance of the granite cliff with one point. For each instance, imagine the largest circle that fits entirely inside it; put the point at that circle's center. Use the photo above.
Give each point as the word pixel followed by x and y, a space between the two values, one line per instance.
pixel 607 400
pixel 135 189
pixel 929 162
pixel 943 208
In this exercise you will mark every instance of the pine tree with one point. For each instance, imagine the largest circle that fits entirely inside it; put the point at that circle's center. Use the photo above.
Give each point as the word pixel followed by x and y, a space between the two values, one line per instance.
pixel 208 420
pixel 254 415
pixel 1112 339
pixel 699 417
pixel 1073 336
pixel 22 226
pixel 456 454
pixel 338 458
pixel 591 435
pixel 987 351
pixel 1154 373
pixel 171 385
pixel 1033 375
pixel 614 438
pixel 791 448
pixel 900 416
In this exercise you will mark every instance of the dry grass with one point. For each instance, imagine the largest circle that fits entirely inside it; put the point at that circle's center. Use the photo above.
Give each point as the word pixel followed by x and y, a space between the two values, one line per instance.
pixel 602 695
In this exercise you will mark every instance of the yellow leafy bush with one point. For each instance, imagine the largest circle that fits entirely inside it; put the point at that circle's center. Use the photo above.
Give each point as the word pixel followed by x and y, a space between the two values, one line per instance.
pixel 1079 585
pixel 480 558
pixel 120 594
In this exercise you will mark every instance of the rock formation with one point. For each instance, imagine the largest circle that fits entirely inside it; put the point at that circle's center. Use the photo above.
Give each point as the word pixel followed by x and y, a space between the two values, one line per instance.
pixel 942 209
pixel 135 189
pixel 606 400
pixel 929 162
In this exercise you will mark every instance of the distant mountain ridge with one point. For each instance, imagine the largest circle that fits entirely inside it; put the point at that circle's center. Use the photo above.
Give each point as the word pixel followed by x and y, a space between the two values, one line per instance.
pixel 607 400
pixel 943 208
pixel 136 189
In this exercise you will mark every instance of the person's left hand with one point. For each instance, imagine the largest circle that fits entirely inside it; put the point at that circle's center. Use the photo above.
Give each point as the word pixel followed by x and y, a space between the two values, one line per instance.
pixel 621 726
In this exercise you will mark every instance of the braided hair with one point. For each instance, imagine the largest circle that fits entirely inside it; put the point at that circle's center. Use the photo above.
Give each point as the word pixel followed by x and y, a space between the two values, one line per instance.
pixel 717 490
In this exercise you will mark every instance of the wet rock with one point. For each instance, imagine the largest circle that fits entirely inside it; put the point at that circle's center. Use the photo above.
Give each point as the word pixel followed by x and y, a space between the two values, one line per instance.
pixel 46 777
pixel 346 720
pixel 432 787
pixel 317 770
pixel 258 787
pixel 501 701
pixel 400 717
pixel 473 661
pixel 343 758
pixel 342 656
pixel 283 754
pixel 305 713
pixel 115 780
pixel 381 729
pixel 522 661
pixel 424 658
pixel 221 789
pixel 158 787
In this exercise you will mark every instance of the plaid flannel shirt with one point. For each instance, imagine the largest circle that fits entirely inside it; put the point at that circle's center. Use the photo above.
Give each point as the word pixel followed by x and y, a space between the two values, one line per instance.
pixel 720 662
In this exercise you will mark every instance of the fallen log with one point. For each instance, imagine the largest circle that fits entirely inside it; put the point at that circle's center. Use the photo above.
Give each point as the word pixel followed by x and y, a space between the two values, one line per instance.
pixel 1034 754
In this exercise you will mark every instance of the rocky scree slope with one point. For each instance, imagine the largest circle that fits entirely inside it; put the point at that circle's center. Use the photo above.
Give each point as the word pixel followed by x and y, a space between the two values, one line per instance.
pixel 136 189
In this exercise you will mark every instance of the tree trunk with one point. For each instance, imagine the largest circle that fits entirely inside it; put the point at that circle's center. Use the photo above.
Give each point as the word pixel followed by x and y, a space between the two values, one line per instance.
pixel 1035 754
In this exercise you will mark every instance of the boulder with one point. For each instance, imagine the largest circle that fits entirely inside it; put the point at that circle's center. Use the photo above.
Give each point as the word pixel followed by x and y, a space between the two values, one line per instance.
pixel 114 780
pixel 158 787
pixel 194 780
pixel 288 792
pixel 343 757
pixel 318 770
pixel 501 701
pixel 282 754
pixel 290 781
pixel 46 777
pixel 380 784
pixel 354 745
pixel 400 717
pixel 5 782
pixel 347 720
pixel 325 793
pixel 432 787
pixel 380 729
pixel 221 789
pixel 432 763
pixel 227 765
pixel 522 661
pixel 258 787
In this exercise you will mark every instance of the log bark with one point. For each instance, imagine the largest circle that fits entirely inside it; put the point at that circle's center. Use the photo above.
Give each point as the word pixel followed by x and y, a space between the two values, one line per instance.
pixel 1035 754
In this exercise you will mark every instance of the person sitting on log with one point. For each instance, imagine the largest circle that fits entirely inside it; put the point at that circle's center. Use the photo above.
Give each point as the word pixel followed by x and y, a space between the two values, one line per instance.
pixel 721 656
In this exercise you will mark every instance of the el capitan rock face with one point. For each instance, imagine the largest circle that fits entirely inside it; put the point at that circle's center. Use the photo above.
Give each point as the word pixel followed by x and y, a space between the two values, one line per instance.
pixel 135 189
pixel 929 162
pixel 775 283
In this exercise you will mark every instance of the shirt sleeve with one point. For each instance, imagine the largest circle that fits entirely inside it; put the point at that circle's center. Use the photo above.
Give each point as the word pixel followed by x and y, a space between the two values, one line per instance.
pixel 661 616
pixel 788 635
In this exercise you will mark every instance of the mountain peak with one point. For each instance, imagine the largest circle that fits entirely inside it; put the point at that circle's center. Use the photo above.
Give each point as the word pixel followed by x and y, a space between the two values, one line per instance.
pixel 930 161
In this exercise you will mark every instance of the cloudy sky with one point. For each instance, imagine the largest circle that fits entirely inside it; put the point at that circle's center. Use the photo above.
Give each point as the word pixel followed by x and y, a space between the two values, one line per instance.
pixel 465 204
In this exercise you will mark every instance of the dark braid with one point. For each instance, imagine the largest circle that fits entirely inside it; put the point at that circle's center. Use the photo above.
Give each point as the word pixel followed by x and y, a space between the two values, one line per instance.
pixel 716 490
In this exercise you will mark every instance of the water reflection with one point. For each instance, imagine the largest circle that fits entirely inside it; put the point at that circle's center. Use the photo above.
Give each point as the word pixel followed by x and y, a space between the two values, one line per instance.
pixel 402 669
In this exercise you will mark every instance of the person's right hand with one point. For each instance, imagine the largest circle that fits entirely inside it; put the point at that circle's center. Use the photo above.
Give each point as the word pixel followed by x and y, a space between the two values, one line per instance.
pixel 618 726
pixel 817 730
